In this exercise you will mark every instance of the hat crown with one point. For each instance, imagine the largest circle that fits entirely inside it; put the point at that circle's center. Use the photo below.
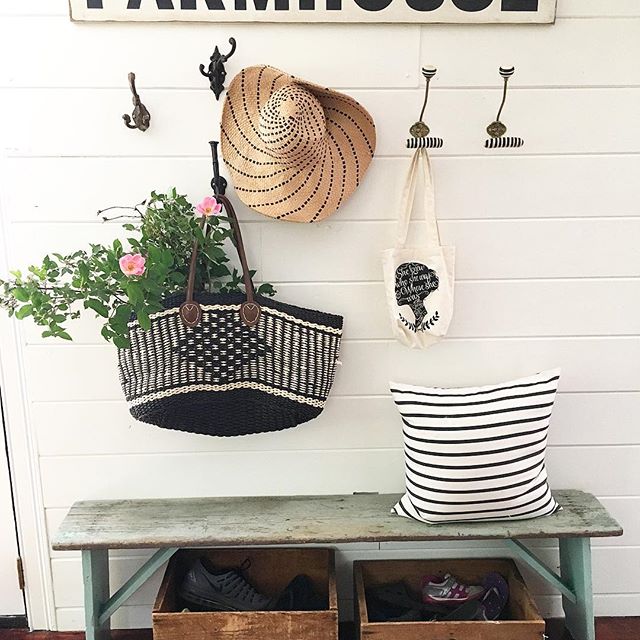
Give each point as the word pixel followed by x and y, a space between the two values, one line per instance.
pixel 292 122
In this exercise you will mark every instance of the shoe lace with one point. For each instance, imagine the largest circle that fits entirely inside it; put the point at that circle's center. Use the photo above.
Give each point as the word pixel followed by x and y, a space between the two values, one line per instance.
pixel 239 586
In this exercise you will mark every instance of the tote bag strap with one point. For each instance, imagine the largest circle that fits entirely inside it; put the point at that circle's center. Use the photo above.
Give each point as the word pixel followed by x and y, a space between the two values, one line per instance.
pixel 190 310
pixel 420 159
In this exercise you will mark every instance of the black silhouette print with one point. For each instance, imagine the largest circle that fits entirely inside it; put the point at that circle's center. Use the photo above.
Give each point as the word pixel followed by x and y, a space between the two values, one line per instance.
pixel 414 282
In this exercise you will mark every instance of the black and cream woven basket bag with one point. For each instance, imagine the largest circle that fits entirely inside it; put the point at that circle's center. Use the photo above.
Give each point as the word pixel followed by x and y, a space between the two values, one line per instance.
pixel 230 364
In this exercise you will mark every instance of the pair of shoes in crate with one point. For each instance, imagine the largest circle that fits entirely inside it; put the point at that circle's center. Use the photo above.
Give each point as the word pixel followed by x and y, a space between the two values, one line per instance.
pixel 471 602
pixel 208 588
pixel 443 598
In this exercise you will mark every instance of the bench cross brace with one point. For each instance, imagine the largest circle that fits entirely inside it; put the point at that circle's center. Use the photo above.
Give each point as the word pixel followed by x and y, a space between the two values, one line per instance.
pixel 529 558
pixel 99 607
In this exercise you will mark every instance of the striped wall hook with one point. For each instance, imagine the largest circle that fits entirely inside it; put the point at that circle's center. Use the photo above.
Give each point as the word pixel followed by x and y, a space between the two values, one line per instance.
pixel 419 131
pixel 497 129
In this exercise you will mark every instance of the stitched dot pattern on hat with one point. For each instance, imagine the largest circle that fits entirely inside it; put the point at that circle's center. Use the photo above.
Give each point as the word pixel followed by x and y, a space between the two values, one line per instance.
pixel 292 124
pixel 295 151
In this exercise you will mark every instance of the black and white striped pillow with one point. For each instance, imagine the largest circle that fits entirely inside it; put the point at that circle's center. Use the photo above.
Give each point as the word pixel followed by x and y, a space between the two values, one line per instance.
pixel 477 453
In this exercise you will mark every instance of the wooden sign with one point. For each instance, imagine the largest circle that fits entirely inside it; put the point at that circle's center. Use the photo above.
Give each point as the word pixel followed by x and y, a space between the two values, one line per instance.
pixel 412 11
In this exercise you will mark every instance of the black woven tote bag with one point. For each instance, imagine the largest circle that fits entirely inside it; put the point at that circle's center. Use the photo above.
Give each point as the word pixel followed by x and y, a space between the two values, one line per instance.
pixel 230 364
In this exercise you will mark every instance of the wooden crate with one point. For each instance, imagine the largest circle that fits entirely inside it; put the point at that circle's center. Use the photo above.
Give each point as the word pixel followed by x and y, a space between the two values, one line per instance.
pixel 523 621
pixel 270 571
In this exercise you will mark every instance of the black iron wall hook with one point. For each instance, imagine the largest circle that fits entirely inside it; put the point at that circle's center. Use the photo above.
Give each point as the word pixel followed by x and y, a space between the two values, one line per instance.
pixel 141 116
pixel 216 72
pixel 218 183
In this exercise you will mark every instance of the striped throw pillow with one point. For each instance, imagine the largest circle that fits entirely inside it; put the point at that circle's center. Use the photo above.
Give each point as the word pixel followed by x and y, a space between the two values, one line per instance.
pixel 477 453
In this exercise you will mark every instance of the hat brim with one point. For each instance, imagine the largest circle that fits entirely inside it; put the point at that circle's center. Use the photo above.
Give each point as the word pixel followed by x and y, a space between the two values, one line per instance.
pixel 295 189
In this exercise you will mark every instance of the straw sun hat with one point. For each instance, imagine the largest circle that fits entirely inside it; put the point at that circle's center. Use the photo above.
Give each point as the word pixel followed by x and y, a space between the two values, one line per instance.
pixel 295 151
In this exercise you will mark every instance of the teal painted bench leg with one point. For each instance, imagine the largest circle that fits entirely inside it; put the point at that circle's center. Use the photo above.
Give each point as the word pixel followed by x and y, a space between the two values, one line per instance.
pixel 99 605
pixel 575 568
pixel 95 573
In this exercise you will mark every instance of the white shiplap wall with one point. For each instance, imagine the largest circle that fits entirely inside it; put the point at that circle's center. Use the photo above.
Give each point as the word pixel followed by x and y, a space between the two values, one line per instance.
pixel 547 239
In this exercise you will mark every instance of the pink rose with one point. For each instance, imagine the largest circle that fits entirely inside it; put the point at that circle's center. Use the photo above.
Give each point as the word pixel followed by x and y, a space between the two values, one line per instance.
pixel 132 264
pixel 208 207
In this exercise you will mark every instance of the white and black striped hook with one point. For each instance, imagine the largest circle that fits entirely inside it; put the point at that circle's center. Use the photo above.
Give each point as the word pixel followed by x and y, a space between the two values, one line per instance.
pixel 497 129
pixel 419 131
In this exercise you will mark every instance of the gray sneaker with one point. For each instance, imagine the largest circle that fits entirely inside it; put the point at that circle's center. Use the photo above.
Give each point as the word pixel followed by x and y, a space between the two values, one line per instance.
pixel 447 591
pixel 214 589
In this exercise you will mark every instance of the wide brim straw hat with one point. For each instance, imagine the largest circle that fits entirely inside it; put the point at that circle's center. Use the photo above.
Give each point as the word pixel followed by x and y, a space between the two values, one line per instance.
pixel 295 150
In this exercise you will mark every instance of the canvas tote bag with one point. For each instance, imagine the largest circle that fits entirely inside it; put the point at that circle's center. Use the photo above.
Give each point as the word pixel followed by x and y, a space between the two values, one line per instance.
pixel 419 279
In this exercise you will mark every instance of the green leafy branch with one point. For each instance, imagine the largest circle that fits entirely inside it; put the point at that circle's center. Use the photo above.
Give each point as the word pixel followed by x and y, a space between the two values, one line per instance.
pixel 60 288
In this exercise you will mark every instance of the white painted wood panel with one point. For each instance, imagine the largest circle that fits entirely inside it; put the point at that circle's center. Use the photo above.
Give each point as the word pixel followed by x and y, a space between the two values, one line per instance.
pixel 351 57
pixel 620 604
pixel 70 478
pixel 482 309
pixel 484 249
pixel 448 363
pixel 44 189
pixel 495 249
pixel 596 8
pixel 460 115
pixel 489 308
pixel 625 510
pixel 533 52
pixel 90 427
pixel 90 372
pixel 67 580
pixel 34 8
pixel 220 473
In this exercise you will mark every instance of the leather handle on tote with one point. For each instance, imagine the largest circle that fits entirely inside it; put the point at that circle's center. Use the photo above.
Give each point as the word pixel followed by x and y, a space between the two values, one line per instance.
pixel 190 310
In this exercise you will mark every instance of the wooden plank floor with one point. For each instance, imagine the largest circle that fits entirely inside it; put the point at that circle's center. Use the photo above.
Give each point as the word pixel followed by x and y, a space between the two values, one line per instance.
pixel 606 629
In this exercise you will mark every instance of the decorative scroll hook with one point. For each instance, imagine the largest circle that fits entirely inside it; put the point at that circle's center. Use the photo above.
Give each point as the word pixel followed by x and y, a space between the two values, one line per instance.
pixel 497 129
pixel 141 116
pixel 420 130
pixel 216 71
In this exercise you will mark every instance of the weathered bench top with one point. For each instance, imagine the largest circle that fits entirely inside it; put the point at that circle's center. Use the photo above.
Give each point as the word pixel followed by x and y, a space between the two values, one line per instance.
pixel 200 522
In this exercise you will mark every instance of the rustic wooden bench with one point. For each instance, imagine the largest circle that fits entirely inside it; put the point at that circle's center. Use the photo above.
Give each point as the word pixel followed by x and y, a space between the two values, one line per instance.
pixel 95 527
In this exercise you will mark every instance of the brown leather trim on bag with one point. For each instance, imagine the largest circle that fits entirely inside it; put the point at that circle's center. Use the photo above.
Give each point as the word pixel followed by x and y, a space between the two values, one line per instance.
pixel 190 310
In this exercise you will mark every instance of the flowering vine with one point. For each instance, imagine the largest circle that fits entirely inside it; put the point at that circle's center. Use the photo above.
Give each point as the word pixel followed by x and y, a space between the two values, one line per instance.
pixel 115 282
